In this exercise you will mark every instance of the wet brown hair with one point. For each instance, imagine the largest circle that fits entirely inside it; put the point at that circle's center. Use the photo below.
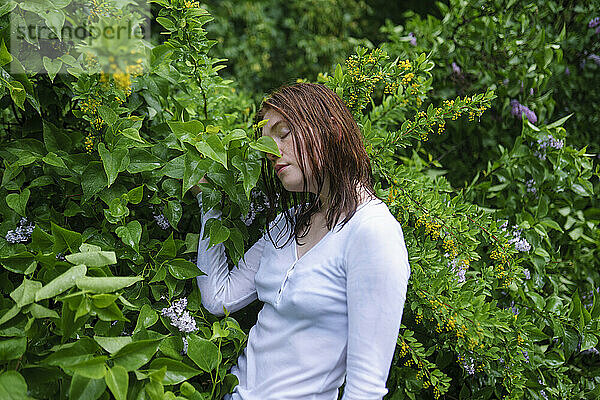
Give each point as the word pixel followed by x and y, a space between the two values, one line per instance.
pixel 334 147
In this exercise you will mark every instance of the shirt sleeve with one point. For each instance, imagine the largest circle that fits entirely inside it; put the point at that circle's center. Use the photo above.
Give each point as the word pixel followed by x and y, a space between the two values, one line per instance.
pixel 377 273
pixel 221 288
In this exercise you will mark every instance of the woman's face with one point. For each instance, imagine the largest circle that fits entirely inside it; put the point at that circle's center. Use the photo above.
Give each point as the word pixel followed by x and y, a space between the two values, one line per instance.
pixel 290 175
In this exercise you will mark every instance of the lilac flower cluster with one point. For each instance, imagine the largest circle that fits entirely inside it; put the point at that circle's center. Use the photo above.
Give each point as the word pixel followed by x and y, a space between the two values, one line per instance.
pixel 518 109
pixel 180 317
pixel 530 184
pixel 526 355
pixel 413 39
pixel 514 308
pixel 161 221
pixel 459 268
pixel 527 274
pixel 521 244
pixel 545 143
pixel 22 233
pixel 456 69
pixel 542 392
pixel 468 364
pixel 595 58
pixel 595 23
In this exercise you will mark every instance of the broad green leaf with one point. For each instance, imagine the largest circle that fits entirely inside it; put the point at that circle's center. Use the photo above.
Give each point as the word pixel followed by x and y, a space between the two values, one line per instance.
pixel 117 381
pixel 130 234
pixel 93 258
pixel 203 352
pixel 65 239
pixel 212 148
pixel 266 144
pixel 177 371
pixel 135 195
pixel 19 263
pixel 18 202
pixel 113 162
pixel 103 300
pixel 183 269
pixel 12 386
pixel 113 344
pixel 5 56
pixel 168 249
pixel 190 131
pixel 17 93
pixel 55 20
pixel 106 284
pixel 61 283
pixel 12 348
pixel 194 169
pixel 136 354
pixel 173 212
pixel 107 114
pixel 94 368
pixel 54 160
pixel 235 134
pixel 141 160
pixel 86 389
pixel 10 314
pixel 250 171
pixel 133 134
pixel 72 353
pixel 146 318
pixel 52 67
pixel 93 179
pixel 25 293
pixel 55 139
pixel 218 233
pixel 38 311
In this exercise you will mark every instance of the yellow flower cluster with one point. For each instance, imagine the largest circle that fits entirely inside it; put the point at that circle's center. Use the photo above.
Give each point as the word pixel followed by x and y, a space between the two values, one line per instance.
pixel 431 228
pixel 405 65
pixel 89 142
pixel 450 247
pixel 441 127
pixel 403 349
pixel 99 8
pixel 189 4
pixel 97 123
pixel 90 105
pixel 418 318
pixel 406 79
pixel 391 88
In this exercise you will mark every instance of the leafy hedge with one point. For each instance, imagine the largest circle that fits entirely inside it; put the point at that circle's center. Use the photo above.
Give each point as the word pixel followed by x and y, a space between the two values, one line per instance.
pixel 98 226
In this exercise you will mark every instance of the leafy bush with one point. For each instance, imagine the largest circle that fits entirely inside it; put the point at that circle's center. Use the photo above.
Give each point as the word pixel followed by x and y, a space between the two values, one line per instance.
pixel 98 296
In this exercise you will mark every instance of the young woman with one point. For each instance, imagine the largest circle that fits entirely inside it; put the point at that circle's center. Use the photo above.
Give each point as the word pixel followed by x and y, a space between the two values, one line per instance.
pixel 333 297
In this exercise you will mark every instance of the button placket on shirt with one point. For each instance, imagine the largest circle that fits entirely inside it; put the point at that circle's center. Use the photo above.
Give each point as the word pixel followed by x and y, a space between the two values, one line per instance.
pixel 285 279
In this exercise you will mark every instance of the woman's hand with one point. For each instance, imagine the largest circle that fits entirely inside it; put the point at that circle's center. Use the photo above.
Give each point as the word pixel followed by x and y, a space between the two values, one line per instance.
pixel 196 189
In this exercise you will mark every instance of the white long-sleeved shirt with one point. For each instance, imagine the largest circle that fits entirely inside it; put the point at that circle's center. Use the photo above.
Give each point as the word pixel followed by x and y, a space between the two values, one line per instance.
pixel 334 312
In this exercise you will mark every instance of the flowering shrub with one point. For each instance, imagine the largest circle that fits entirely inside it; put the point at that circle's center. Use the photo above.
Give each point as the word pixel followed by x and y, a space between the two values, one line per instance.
pixel 98 226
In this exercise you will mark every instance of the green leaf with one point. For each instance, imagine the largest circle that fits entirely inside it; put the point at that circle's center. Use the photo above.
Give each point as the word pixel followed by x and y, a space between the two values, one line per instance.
pixel 267 144
pixel 173 212
pixel 17 93
pixel 107 114
pixel 93 179
pixel 38 311
pixel 54 160
pixel 113 162
pixel 250 171
pixel 19 263
pixel 190 131
pixel 52 67
pixel 117 381
pixel 12 386
pixel 94 368
pixel 11 313
pixel 61 283
pixel 113 344
pixel 136 354
pixel 13 348
pixel 212 148
pixel 146 318
pixel 168 249
pixel 130 234
pixel 183 269
pixel 203 352
pixel 5 56
pixel 93 258
pixel 86 389
pixel 141 160
pixel 65 239
pixel 25 293
pixel 218 233
pixel 135 195
pixel 72 353
pixel 18 202
pixel 177 371
pixel 106 284
pixel 133 134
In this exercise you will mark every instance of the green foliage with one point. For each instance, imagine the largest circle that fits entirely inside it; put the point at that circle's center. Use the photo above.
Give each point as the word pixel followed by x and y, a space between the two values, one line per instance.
pixel 93 280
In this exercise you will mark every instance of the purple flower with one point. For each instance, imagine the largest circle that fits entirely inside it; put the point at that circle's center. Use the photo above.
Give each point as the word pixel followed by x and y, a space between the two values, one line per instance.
pixel 567 71
pixel 456 68
pixel 527 274
pixel 597 31
pixel 526 355
pixel 594 22
pixel 162 221
pixel 180 317
pixel 468 365
pixel 459 268
pixel 519 109
pixel 522 245
pixel 595 58
pixel 531 186
pixel 413 39
pixel 531 91
pixel 21 233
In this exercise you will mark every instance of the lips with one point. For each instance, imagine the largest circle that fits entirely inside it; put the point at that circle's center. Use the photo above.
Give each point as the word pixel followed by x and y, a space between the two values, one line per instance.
pixel 279 167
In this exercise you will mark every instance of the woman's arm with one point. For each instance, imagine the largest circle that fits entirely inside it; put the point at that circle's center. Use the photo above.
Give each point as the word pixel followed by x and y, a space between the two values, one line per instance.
pixel 377 273
pixel 221 288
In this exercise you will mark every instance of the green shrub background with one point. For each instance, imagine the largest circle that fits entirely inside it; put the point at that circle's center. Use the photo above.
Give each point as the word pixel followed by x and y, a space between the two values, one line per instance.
pixel 500 213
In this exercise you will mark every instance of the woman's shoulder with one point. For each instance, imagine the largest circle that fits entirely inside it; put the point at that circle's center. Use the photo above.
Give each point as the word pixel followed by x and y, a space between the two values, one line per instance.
pixel 374 220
